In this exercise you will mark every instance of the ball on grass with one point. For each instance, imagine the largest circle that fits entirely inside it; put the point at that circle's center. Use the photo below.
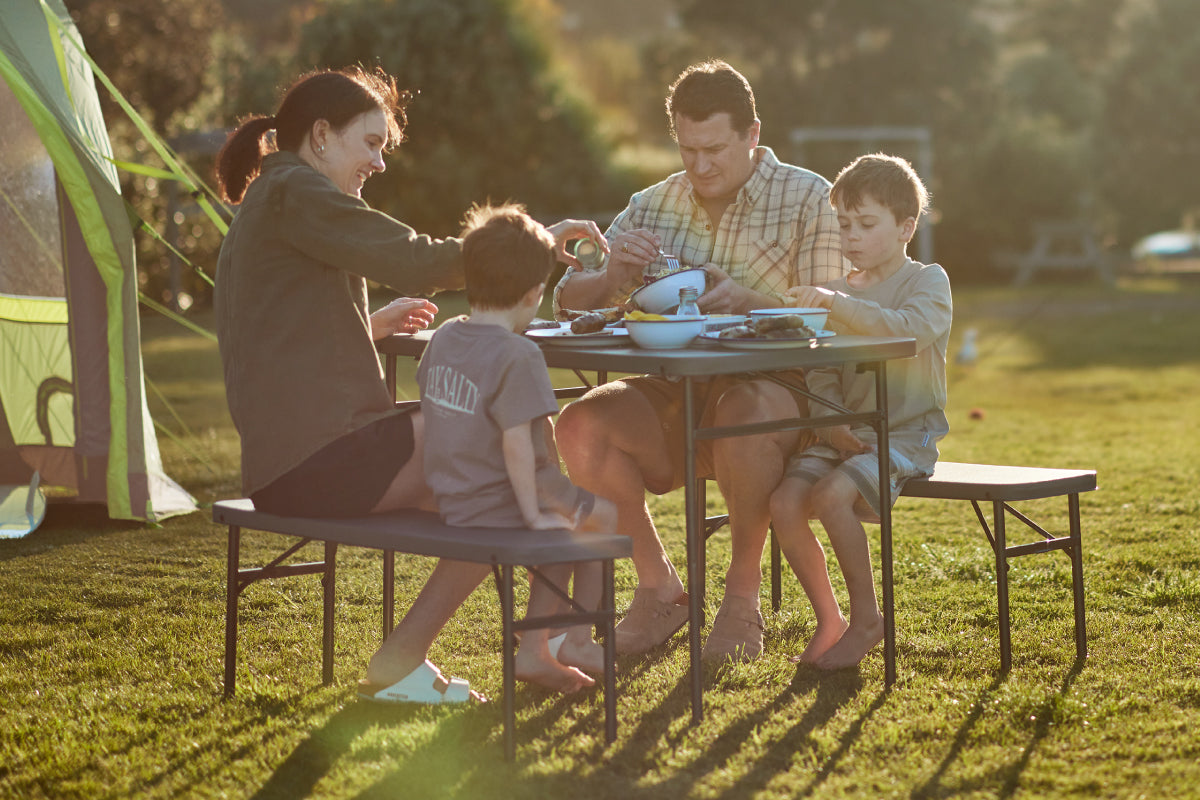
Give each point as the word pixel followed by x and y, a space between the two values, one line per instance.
pixel 975 413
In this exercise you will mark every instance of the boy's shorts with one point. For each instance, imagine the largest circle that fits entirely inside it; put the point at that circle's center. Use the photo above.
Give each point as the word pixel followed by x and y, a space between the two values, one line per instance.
pixel 666 397
pixel 820 460
pixel 557 493
pixel 346 478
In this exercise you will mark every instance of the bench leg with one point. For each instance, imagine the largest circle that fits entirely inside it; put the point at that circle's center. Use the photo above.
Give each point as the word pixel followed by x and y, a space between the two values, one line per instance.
pixel 701 502
pixel 776 572
pixel 507 643
pixel 999 546
pixel 389 592
pixel 233 558
pixel 608 605
pixel 328 586
pixel 1077 576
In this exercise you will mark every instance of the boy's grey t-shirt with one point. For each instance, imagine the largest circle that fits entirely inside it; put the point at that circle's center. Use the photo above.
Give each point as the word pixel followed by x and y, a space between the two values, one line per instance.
pixel 476 382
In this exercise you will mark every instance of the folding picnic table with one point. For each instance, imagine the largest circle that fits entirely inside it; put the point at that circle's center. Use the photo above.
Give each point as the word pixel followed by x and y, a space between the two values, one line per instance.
pixel 692 366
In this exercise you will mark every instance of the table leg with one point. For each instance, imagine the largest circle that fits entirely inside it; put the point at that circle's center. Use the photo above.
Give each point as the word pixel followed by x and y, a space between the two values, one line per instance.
pixel 695 541
pixel 885 526
pixel 389 374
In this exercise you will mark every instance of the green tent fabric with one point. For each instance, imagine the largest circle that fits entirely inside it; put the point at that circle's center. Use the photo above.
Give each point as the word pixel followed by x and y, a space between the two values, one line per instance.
pixel 72 395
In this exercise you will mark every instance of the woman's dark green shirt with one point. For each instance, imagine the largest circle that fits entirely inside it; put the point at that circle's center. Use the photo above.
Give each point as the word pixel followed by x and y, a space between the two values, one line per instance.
pixel 292 315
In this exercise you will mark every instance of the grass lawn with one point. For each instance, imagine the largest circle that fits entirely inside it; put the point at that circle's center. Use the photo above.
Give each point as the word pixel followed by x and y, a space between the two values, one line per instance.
pixel 111 633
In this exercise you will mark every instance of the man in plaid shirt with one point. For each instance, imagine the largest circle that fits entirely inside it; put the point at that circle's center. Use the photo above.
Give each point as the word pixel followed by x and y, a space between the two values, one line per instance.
pixel 758 227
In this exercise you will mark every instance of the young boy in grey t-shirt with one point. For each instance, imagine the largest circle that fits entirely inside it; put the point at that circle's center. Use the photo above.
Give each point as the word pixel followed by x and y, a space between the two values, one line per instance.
pixel 489 454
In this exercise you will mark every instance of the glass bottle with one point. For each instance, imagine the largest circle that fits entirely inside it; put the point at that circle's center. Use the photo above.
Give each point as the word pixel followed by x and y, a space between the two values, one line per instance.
pixel 687 302
pixel 588 252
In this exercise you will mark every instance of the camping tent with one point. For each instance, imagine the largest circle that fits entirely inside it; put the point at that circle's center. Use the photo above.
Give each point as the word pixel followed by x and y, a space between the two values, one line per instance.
pixel 72 396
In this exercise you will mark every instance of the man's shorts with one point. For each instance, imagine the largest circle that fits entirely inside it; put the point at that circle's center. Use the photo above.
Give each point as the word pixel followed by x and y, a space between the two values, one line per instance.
pixel 346 478
pixel 666 397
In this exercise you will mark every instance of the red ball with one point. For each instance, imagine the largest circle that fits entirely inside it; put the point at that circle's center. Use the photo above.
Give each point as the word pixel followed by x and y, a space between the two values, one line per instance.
pixel 976 413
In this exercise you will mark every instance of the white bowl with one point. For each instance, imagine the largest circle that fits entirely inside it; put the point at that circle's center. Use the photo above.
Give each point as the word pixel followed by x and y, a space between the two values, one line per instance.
pixel 671 333
pixel 813 317
pixel 663 295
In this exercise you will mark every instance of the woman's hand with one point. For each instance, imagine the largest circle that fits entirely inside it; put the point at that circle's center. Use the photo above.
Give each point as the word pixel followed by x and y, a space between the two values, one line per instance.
pixel 402 315
pixel 569 230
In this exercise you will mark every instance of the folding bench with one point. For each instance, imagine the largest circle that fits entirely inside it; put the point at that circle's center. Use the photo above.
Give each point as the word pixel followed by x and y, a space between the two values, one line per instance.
pixel 423 533
pixel 1001 486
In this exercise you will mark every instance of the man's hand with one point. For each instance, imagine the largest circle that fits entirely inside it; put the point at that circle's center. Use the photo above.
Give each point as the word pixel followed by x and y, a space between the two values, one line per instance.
pixel 726 296
pixel 631 252
pixel 811 296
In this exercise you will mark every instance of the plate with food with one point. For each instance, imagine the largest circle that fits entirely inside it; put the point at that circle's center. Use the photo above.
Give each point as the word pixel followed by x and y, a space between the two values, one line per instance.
pixel 592 321
pixel 776 330
pixel 765 342
pixel 565 337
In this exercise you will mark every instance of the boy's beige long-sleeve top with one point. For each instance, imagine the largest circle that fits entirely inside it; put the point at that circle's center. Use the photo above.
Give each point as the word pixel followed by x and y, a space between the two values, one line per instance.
pixel 292 316
pixel 914 302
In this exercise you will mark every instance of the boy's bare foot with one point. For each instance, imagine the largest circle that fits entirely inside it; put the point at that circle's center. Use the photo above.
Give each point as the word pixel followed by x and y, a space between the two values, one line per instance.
pixel 540 668
pixel 586 655
pixel 825 637
pixel 855 643
pixel 555 677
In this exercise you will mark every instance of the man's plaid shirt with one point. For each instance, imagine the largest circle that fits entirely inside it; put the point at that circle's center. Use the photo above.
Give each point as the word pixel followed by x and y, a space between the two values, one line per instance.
pixel 779 232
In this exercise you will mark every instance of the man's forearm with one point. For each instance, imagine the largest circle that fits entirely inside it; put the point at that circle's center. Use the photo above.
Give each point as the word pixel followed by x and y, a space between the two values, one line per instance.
pixel 593 289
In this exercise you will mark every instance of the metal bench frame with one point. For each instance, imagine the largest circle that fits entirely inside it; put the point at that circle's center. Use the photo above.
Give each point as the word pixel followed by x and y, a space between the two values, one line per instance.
pixel 1001 486
pixel 423 533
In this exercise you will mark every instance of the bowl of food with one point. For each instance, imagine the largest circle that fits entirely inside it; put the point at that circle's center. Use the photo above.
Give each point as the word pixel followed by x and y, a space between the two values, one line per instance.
pixel 812 317
pixel 662 294
pixel 663 331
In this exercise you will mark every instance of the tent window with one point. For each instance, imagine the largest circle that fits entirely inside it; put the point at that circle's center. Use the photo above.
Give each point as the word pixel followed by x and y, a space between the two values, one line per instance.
pixel 30 243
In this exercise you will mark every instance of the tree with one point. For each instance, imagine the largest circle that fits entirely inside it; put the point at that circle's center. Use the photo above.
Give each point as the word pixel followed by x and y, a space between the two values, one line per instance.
pixel 489 119
pixel 158 53
pixel 155 51
pixel 923 63
pixel 1149 154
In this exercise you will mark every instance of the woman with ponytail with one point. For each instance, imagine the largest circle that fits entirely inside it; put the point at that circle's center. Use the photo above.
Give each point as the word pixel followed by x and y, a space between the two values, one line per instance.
pixel 320 434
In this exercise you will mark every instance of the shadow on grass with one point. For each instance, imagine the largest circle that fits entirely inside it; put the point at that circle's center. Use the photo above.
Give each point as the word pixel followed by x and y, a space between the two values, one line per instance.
pixel 833 690
pixel 457 749
pixel 1008 779
pixel 66 523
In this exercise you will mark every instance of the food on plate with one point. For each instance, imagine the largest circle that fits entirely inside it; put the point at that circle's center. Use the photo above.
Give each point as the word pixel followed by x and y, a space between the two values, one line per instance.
pixel 786 326
pixel 591 322
pixel 538 324
pixel 662 273
pixel 611 314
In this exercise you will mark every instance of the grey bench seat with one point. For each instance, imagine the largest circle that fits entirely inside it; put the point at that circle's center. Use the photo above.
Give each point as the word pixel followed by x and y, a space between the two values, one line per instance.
pixel 423 533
